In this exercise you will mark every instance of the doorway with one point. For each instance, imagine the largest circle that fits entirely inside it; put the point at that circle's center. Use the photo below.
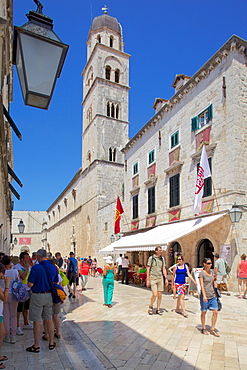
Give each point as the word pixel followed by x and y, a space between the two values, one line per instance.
pixel 205 250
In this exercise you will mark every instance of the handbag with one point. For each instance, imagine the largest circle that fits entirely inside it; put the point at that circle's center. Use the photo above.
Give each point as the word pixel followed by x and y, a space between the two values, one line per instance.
pixel 54 293
pixel 218 296
pixel 19 292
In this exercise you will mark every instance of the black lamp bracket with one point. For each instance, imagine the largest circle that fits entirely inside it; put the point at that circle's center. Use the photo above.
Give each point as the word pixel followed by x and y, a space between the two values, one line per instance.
pixel 39 6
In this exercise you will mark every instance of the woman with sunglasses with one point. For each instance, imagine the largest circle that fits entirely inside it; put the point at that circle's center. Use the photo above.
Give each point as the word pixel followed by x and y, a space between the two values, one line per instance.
pixel 208 299
pixel 180 271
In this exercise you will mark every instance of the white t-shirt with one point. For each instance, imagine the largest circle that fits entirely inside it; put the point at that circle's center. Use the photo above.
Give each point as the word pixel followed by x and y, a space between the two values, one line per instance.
pixel 13 274
pixel 119 261
pixel 125 263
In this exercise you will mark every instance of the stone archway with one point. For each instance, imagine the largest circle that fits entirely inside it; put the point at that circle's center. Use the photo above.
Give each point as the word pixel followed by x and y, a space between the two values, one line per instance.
pixel 205 250
pixel 25 248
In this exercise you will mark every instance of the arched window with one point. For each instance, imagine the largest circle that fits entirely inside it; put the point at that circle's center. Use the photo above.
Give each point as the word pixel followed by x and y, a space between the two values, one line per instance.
pixel 117 75
pixel 89 157
pixel 110 154
pixel 108 72
pixel 99 39
pixel 111 41
pixel 114 155
pixel 108 110
pixel 117 111
pixel 112 110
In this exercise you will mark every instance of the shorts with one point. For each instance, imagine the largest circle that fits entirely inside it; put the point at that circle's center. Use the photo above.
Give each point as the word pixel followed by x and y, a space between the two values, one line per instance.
pixel 1 319
pixel 211 304
pixel 221 278
pixel 157 285
pixel 181 289
pixel 40 307
pixel 56 308
pixel 23 306
pixel 242 278
pixel 72 277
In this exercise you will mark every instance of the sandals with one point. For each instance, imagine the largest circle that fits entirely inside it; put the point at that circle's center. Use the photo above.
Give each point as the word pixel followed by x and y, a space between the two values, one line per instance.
pixel 213 332
pixel 150 310
pixel 33 349
pixel 2 366
pixel 52 346
pixel 45 338
pixel 204 331
pixel 184 314
pixel 159 312
pixel 58 336
pixel 4 358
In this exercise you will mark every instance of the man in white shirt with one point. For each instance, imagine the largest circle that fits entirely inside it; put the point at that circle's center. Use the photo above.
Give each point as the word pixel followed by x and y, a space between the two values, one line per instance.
pixel 119 265
pixel 125 265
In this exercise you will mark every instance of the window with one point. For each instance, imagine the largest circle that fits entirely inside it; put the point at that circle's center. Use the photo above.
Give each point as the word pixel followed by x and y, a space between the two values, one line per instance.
pixel 202 119
pixel 151 200
pixel 117 74
pixel 135 206
pixel 174 139
pixel 99 39
pixel 174 190
pixel 135 168
pixel 108 72
pixel 112 111
pixel 111 41
pixel 108 110
pixel 207 191
pixel 151 157
pixel 117 111
pixel 112 154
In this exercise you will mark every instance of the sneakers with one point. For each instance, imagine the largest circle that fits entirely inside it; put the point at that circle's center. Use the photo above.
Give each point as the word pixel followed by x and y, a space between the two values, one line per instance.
pixel 7 340
pixel 13 339
pixel 28 326
pixel 70 295
pixel 19 331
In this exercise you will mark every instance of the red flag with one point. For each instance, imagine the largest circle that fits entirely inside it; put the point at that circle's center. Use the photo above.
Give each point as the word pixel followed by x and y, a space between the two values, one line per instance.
pixel 119 211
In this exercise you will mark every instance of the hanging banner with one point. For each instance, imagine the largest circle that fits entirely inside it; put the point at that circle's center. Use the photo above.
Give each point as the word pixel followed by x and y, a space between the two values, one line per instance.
pixel 26 241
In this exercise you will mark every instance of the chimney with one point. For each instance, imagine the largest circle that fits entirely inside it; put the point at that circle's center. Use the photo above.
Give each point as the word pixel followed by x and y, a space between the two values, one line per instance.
pixel 179 81
pixel 159 103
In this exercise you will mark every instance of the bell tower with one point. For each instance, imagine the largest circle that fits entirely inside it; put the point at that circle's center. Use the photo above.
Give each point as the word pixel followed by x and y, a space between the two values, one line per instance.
pixel 105 93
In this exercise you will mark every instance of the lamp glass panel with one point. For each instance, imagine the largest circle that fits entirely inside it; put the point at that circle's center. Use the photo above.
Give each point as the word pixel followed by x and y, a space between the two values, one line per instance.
pixel 41 61
pixel 19 66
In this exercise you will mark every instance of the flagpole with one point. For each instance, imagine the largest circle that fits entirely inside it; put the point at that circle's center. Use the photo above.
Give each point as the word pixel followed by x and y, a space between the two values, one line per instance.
pixel 215 195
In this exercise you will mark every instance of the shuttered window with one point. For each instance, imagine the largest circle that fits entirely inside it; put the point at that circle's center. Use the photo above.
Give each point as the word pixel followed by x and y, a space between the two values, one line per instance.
pixel 151 200
pixel 175 190
pixel 202 119
pixel 135 206
pixel 174 139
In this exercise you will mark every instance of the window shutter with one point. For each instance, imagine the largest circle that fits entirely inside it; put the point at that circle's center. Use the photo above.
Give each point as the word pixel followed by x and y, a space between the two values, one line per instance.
pixel 210 112
pixel 194 123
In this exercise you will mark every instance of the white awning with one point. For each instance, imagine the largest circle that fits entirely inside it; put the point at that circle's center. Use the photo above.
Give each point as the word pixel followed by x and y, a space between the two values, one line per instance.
pixel 109 250
pixel 163 234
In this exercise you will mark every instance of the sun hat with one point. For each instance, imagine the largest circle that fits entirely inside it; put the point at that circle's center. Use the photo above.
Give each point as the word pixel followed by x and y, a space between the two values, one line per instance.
pixel 108 259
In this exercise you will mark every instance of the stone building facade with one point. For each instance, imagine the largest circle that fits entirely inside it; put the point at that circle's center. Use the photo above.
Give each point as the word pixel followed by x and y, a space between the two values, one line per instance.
pixel 7 174
pixel 209 108
pixel 34 235
pixel 82 217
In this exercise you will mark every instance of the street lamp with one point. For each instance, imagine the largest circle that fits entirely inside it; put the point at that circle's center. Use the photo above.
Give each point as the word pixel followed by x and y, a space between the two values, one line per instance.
pixel 112 238
pixel 236 212
pixel 38 54
pixel 21 227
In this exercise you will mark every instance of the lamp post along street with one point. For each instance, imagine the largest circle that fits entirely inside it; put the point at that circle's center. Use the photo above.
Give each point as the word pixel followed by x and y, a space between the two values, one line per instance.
pixel 38 54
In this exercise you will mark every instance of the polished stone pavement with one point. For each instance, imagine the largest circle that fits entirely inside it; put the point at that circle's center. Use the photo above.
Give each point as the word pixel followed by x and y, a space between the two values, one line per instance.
pixel 126 337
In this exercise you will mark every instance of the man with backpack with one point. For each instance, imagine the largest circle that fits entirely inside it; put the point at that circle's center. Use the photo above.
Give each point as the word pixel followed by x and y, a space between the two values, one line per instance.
pixel 156 273
pixel 72 274
pixel 220 267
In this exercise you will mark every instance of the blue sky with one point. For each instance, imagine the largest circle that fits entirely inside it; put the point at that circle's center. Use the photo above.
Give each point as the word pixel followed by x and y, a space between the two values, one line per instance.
pixel 164 38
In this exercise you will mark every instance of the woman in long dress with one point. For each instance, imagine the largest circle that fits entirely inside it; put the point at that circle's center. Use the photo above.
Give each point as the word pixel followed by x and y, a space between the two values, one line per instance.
pixel 108 281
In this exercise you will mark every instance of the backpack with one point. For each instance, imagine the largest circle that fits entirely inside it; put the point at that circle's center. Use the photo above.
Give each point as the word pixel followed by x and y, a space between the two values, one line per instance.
pixel 60 292
pixel 228 267
pixel 71 267
pixel 153 259
pixel 19 292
